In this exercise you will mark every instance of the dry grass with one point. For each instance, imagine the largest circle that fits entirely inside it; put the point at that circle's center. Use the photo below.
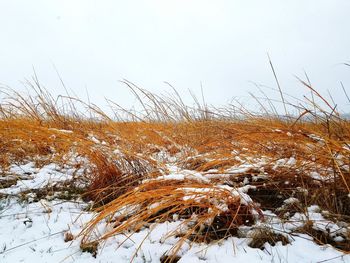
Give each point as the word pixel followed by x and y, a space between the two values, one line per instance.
pixel 199 204
pixel 124 153
pixel 262 236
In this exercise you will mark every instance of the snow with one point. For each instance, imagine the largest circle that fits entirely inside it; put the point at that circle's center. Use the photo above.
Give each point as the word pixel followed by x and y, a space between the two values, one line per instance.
pixel 180 176
pixel 94 139
pixel 34 178
pixel 316 138
pixel 60 130
pixel 34 231
pixel 43 241
pixel 291 200
pixel 285 162
pixel 230 172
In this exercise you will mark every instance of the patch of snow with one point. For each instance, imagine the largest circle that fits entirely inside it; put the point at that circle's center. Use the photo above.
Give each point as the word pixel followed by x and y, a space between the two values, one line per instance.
pixel 316 138
pixel 245 181
pixel 47 175
pixel 290 162
pixel 61 130
pixel 291 200
pixel 94 139
pixel 180 176
pixel 258 177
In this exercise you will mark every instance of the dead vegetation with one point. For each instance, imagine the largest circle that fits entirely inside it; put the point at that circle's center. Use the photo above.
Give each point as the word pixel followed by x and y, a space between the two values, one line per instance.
pixel 324 237
pixel 123 156
pixel 262 236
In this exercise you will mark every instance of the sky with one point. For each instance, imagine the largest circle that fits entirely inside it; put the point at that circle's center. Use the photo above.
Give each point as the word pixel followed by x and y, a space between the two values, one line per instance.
pixel 218 46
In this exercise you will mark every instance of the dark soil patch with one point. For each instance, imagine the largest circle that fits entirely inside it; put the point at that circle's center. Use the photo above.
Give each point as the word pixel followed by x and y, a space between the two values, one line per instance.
pixel 263 236
pixel 5 183
pixel 169 259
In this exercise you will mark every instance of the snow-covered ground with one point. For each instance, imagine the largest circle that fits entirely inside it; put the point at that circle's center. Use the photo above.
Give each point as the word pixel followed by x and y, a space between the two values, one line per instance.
pixel 38 230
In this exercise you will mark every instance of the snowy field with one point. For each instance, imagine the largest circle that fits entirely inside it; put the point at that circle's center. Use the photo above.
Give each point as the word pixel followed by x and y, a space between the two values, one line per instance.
pixel 46 229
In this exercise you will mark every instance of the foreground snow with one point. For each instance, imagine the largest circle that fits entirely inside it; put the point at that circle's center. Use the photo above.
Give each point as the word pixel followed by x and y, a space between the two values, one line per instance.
pixel 35 231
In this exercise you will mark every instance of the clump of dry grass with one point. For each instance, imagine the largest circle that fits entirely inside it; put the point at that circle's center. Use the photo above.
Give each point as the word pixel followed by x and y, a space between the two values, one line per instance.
pixel 206 212
pixel 91 248
pixel 110 178
pixel 323 237
pixel 263 235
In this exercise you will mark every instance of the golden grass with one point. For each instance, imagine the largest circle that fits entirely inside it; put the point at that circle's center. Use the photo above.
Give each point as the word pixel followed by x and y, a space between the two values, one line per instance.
pixel 196 205
pixel 122 156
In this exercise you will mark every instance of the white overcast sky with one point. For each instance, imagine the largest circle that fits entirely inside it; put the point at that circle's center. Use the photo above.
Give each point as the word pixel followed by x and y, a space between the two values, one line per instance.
pixel 221 44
